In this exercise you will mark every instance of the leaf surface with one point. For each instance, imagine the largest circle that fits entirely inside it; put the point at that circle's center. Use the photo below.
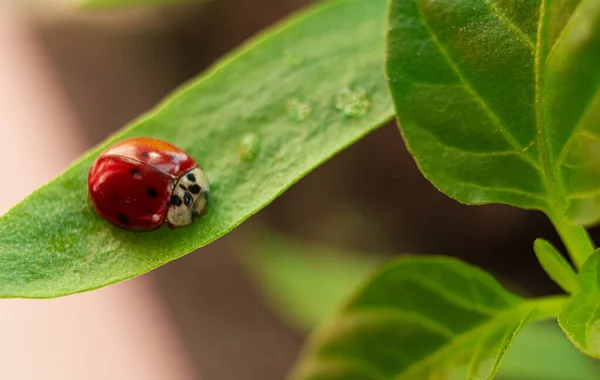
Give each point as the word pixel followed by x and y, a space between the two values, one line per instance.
pixel 580 316
pixel 499 100
pixel 421 318
pixel 257 122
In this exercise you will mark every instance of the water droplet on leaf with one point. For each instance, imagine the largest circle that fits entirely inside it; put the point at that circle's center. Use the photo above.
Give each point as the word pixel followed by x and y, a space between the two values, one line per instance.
pixel 248 147
pixel 353 102
pixel 298 110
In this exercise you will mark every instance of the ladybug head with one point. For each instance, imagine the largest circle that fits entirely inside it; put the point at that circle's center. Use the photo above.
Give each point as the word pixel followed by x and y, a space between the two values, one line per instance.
pixel 189 198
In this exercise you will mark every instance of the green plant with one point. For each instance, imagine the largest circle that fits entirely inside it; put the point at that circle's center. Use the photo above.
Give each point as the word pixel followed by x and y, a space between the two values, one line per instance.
pixel 301 280
pixel 498 101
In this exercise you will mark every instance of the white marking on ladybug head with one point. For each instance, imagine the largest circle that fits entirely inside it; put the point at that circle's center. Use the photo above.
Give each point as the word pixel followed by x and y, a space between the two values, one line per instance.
pixel 189 198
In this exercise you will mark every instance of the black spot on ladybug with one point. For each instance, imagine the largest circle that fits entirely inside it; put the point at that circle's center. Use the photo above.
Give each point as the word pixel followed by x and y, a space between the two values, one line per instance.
pixel 191 177
pixel 145 154
pixel 175 200
pixel 150 212
pixel 195 189
pixel 187 199
pixel 135 173
pixel 152 193
pixel 123 218
pixel 183 187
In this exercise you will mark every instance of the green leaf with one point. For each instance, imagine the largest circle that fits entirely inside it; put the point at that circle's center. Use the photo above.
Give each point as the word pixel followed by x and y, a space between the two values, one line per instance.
pixel 580 316
pixel 303 281
pixel 422 318
pixel 542 351
pixel 499 101
pixel 556 266
pixel 257 123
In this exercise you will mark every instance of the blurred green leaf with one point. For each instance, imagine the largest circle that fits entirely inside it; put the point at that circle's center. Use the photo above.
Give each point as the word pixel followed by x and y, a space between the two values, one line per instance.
pixel 542 352
pixel 304 281
pixel 257 123
pixel 580 316
pixel 500 102
pixel 556 265
pixel 422 318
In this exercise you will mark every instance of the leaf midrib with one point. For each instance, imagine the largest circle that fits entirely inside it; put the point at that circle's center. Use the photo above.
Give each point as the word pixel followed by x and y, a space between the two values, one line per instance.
pixel 552 178
pixel 544 157
pixel 451 297
pixel 472 373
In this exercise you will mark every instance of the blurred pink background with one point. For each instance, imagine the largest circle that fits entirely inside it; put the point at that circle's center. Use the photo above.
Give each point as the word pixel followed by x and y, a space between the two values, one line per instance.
pixel 121 332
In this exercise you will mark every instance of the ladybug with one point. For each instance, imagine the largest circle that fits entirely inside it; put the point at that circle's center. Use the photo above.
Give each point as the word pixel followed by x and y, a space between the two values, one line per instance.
pixel 139 183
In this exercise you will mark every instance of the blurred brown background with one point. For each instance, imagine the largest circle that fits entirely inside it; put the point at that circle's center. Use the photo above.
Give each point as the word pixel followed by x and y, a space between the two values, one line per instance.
pixel 116 65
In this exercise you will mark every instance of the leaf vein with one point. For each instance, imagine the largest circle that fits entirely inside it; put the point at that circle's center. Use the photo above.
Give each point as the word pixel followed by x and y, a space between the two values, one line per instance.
pixel 475 355
pixel 407 316
pixel 502 189
pixel 508 341
pixel 498 153
pixel 486 108
pixel 427 283
pixel 544 157
pixel 562 34
pixel 455 344
pixel 584 194
pixel 510 24
pixel 579 129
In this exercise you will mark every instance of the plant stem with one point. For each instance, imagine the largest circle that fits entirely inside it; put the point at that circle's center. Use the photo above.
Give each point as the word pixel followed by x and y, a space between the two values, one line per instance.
pixel 576 239
pixel 546 307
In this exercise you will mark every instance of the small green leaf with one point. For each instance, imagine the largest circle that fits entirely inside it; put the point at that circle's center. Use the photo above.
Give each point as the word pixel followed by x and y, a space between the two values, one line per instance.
pixel 499 101
pixel 556 266
pixel 303 281
pixel 422 318
pixel 542 352
pixel 580 316
pixel 237 122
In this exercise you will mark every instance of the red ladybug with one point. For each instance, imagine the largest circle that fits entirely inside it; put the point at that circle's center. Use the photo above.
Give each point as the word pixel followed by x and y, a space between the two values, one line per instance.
pixel 139 183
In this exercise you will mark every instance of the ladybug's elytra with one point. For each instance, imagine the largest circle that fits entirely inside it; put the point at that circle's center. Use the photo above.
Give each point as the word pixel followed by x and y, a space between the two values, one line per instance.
pixel 139 183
